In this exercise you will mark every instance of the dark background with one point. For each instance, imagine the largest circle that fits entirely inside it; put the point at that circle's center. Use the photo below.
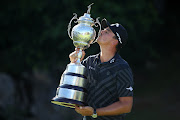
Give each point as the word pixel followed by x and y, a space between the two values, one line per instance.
pixel 34 50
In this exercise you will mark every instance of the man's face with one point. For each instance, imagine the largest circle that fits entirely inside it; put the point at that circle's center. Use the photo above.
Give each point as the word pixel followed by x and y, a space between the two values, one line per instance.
pixel 106 36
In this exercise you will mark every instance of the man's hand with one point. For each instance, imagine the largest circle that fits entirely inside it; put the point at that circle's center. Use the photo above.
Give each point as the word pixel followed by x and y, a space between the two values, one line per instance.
pixel 84 111
pixel 74 55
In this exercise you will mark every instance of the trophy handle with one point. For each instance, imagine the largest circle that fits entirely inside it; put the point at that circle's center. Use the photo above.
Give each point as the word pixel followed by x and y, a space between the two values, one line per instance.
pixel 97 23
pixel 69 26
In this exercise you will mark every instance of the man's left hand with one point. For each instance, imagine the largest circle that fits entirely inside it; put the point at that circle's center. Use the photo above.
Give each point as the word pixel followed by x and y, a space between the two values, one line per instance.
pixel 85 110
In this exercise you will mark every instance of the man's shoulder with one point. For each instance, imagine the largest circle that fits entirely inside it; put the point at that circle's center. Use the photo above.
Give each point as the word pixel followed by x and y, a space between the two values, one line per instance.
pixel 89 59
pixel 121 63
pixel 92 57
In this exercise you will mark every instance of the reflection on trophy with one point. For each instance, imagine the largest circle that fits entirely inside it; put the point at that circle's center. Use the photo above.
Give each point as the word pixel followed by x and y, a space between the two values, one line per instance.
pixel 73 83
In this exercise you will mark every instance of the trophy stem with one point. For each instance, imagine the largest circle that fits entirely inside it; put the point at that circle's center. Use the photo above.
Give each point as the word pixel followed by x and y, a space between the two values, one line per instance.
pixel 79 56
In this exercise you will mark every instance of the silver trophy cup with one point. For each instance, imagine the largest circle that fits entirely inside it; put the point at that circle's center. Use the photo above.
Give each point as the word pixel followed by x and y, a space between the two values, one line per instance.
pixel 73 83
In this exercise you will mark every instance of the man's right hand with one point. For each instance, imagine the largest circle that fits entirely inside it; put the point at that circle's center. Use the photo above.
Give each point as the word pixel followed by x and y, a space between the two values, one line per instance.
pixel 74 55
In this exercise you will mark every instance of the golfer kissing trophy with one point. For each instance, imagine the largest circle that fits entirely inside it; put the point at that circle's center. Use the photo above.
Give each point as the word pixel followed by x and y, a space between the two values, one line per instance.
pixel 72 88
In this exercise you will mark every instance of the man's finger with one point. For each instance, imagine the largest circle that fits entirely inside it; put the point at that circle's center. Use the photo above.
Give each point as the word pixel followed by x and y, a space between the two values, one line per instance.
pixel 77 109
pixel 77 49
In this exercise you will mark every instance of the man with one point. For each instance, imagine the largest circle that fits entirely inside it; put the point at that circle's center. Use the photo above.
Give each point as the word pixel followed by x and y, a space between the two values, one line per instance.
pixel 110 88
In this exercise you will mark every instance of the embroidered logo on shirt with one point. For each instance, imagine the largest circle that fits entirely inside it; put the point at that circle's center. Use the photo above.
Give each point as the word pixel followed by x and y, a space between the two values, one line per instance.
pixel 130 88
pixel 112 60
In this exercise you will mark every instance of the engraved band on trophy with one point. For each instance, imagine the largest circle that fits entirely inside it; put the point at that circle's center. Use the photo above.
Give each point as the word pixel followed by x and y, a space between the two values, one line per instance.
pixel 72 88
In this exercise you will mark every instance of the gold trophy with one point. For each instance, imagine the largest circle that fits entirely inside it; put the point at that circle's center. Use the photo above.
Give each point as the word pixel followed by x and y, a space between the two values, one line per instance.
pixel 72 88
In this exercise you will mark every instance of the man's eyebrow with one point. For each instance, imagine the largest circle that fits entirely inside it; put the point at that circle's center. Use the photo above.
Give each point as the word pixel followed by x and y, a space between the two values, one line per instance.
pixel 108 29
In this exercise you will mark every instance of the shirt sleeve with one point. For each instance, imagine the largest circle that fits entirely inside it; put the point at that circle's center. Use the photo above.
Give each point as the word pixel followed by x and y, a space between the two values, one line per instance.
pixel 125 83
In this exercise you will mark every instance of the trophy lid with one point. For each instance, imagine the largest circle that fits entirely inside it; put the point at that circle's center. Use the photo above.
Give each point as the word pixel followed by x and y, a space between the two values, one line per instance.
pixel 86 19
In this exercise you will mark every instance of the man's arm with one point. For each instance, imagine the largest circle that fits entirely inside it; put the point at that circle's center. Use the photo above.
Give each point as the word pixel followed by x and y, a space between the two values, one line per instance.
pixel 124 105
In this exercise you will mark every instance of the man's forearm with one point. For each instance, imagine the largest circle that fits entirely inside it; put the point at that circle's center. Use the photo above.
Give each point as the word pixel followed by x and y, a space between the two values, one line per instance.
pixel 116 108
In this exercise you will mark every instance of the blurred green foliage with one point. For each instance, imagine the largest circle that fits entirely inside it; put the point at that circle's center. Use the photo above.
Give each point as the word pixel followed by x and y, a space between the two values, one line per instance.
pixel 34 32
pixel 34 35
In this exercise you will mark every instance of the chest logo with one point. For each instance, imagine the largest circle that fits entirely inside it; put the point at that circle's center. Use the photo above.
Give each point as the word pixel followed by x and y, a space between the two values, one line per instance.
pixel 91 68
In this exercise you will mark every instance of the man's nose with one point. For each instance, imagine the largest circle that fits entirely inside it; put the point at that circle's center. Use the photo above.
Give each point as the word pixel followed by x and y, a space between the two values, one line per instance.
pixel 102 31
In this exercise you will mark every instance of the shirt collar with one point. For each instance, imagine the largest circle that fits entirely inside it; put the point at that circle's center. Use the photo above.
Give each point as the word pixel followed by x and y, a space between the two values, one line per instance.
pixel 112 60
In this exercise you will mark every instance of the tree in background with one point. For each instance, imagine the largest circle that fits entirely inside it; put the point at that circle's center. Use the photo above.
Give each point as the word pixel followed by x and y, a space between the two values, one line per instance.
pixel 34 33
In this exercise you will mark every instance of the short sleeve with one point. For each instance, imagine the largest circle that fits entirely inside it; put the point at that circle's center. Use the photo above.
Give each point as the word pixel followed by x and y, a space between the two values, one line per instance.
pixel 125 83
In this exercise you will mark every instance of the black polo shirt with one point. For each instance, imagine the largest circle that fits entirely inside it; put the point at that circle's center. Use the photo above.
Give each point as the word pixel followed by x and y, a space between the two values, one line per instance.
pixel 107 82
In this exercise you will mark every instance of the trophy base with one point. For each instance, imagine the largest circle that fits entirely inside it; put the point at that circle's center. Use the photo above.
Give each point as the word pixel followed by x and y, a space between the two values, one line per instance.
pixel 67 102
